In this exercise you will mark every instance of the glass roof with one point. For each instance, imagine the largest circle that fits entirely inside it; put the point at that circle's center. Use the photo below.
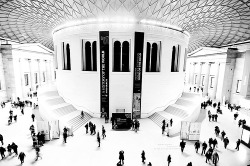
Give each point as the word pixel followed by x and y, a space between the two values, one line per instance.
pixel 211 23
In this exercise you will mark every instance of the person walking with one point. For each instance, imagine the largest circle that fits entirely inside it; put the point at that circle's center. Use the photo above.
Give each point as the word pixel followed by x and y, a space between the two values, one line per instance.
pixel 121 157
pixel 226 142
pixel 9 149
pixel 86 127
pixel 103 132
pixel 223 135
pixel 33 117
pixel 237 144
pixel 215 158
pixel 169 159
pixel 182 145
pixel 163 128
pixel 1 138
pixel 208 155
pixel 32 129
pixel 210 141
pixel 209 117
pixel 167 130
pixel 21 157
pixel 204 147
pixel 143 156
pixel 14 147
pixel 82 114
pixel 197 146
pixel 98 139
pixel 171 122
pixel 94 129
pixel 38 154
pixel 65 135
pixel 214 143
pixel 2 151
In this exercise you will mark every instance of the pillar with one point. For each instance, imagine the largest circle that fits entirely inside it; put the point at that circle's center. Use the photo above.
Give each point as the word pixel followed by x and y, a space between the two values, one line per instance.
pixel 8 67
pixel 39 72
pixel 216 81
pixel 199 74
pixel 192 73
pixel 205 89
pixel 32 82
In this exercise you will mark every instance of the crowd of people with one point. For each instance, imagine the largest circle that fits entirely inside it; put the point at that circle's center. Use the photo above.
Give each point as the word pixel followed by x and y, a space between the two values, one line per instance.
pixel 210 150
pixel 38 140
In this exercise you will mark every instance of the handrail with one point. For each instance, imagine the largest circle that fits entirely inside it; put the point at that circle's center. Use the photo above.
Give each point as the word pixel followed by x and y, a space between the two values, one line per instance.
pixel 164 105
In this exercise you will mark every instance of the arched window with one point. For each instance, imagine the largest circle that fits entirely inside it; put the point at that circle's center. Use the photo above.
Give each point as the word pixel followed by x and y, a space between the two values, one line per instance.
pixel 175 58
pixel 66 56
pixel 68 65
pixel 153 57
pixel 125 56
pixel 94 56
pixel 88 61
pixel 148 57
pixel 117 56
pixel 89 55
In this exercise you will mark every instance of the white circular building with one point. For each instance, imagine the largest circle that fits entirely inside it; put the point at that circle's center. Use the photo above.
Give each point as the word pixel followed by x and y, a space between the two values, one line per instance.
pixel 106 65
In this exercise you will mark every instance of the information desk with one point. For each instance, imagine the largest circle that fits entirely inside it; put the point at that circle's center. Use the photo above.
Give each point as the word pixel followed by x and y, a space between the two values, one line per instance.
pixel 121 120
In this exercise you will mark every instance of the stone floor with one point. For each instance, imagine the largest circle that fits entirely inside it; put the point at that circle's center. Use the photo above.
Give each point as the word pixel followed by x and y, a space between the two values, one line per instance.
pixel 82 149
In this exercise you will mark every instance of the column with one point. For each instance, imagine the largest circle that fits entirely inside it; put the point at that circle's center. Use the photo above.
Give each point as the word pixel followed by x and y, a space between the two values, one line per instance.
pixel 199 74
pixel 39 72
pixel 216 81
pixel 190 69
pixel 192 73
pixel 31 75
pixel 21 77
pixel 205 90
pixel 46 71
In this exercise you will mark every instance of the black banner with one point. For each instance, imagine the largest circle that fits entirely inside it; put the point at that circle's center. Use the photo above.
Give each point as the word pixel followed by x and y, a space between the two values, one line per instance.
pixel 138 59
pixel 104 71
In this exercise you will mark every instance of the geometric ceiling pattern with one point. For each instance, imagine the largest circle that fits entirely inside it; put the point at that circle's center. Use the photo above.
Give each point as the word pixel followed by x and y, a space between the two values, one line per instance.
pixel 211 23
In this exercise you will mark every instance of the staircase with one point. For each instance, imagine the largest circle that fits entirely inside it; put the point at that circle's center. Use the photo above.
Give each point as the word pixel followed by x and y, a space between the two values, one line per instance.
pixel 178 111
pixel 65 112
pixel 157 119
pixel 77 121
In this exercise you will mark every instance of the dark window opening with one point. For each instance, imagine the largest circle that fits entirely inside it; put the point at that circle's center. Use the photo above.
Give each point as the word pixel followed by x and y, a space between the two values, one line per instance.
pixel 154 58
pixel 94 56
pixel 125 56
pixel 66 57
pixel 175 59
pixel 88 61
pixel 117 56
pixel 148 57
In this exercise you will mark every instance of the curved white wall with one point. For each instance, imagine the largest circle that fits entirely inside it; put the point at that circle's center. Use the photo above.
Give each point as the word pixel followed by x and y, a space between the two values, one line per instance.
pixel 82 88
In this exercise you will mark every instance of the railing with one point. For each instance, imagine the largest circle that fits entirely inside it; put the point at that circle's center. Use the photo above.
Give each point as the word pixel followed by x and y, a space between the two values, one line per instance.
pixel 162 107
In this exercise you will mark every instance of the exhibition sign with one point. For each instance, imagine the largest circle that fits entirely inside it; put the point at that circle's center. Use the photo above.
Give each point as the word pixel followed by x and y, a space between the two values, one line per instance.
pixel 55 130
pixel 104 71
pixel 190 130
pixel 50 128
pixel 45 127
pixel 138 59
